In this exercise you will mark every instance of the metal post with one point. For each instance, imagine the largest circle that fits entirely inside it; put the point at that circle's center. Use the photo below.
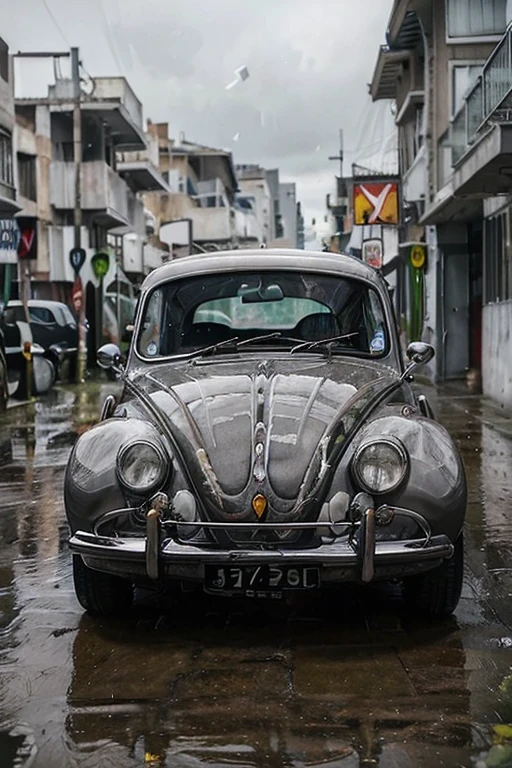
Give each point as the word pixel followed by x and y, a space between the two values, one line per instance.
pixel 77 154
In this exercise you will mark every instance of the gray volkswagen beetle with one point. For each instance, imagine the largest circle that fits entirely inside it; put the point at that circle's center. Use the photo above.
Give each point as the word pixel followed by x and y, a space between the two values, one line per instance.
pixel 267 439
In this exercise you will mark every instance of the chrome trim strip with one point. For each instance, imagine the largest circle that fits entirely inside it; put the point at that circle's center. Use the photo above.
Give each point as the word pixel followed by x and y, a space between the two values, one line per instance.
pixel 367 546
pixel 152 543
pixel 414 515
pixel 338 553
pixel 208 525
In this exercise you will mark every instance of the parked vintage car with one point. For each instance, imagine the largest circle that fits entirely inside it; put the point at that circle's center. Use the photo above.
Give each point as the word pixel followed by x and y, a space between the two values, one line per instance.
pixel 20 379
pixel 54 328
pixel 267 439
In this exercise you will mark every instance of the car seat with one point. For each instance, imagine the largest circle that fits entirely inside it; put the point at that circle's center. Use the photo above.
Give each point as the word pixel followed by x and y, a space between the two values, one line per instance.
pixel 205 334
pixel 321 325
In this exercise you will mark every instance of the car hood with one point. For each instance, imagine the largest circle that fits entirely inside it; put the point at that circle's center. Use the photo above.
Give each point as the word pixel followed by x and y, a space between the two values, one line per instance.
pixel 257 425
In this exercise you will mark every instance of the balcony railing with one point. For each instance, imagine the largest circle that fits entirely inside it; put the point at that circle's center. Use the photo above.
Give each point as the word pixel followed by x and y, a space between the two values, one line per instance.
pixel 491 92
pixel 497 74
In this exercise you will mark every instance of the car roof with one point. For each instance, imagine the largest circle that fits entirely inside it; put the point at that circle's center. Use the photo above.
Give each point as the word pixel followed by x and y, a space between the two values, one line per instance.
pixel 249 259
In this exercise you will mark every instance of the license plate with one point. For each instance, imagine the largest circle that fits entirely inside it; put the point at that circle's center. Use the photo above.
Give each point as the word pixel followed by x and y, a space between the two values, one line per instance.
pixel 260 578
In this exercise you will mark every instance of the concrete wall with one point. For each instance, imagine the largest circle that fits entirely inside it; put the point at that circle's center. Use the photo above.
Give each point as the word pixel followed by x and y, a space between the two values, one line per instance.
pixel 497 352
pixel 441 87
pixel 411 78
pixel 101 187
pixel 118 89
pixel 212 224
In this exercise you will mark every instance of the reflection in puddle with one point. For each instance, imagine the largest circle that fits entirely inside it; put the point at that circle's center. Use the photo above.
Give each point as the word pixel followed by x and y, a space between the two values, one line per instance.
pixel 340 682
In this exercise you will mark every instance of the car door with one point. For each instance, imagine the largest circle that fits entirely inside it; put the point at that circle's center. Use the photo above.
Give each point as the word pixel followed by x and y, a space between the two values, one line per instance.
pixel 45 329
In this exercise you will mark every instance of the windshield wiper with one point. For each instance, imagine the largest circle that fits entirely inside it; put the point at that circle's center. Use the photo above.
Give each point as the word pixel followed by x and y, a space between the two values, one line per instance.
pixel 275 335
pixel 307 345
pixel 234 342
pixel 212 348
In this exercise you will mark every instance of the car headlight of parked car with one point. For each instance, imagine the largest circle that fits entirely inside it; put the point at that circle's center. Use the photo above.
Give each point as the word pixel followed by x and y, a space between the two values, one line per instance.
pixel 142 467
pixel 380 466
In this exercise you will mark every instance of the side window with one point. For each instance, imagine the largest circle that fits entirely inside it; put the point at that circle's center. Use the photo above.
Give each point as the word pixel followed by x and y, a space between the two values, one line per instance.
pixel 68 317
pixel 150 338
pixel 375 324
pixel 41 315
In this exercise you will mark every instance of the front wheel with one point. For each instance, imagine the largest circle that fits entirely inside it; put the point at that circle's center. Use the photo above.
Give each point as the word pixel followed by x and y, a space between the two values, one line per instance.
pixel 101 594
pixel 436 593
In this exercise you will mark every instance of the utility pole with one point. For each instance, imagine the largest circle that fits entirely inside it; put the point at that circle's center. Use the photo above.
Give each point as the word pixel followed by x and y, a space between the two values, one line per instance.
pixel 77 156
pixel 340 156
pixel 340 185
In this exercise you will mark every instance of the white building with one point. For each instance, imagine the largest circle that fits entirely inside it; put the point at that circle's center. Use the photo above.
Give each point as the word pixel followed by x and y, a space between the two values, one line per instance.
pixel 9 231
pixel 288 210
pixel 253 185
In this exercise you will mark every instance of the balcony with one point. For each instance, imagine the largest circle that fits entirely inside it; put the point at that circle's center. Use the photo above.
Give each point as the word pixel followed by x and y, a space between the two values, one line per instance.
pixel 8 204
pixel 102 192
pixel 481 133
pixel 140 172
pixel 112 101
pixel 212 224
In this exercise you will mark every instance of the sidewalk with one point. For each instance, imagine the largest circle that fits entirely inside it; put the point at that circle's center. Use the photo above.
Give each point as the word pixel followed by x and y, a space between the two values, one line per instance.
pixel 486 410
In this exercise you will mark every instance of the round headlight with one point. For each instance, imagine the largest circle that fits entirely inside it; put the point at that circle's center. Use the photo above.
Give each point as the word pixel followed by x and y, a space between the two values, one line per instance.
pixel 380 467
pixel 141 467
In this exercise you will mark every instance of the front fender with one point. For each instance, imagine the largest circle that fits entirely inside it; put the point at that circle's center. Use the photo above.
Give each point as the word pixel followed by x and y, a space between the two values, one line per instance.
pixel 436 484
pixel 91 487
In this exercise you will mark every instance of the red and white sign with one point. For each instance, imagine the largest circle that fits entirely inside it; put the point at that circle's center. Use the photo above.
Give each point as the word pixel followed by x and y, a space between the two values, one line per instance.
pixel 77 295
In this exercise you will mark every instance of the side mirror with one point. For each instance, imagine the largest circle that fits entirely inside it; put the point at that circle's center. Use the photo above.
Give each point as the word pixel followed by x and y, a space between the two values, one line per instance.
pixel 419 353
pixel 109 356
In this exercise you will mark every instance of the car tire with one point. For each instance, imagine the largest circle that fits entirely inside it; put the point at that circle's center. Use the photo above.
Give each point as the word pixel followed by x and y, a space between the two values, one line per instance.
pixel 436 593
pixel 101 594
pixel 4 389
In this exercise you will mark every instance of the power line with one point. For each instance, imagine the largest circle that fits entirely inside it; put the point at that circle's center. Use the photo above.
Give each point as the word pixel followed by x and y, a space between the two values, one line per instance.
pixel 59 28
pixel 61 32
pixel 109 38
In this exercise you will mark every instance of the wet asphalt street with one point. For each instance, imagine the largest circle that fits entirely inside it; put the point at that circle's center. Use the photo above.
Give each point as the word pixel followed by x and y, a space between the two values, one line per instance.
pixel 344 681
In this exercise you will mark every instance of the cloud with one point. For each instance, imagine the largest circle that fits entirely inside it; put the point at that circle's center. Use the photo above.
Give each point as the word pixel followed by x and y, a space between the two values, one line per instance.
pixel 309 65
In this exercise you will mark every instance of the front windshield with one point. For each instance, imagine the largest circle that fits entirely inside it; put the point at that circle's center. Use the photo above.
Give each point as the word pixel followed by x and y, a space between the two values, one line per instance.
pixel 183 316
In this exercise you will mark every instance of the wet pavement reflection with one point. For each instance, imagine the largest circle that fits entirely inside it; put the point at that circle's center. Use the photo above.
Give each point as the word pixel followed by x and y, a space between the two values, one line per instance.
pixel 345 680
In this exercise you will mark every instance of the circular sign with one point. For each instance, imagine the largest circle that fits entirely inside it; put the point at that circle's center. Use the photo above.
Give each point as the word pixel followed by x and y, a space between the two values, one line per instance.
pixel 77 295
pixel 77 259
pixel 418 256
pixel 100 264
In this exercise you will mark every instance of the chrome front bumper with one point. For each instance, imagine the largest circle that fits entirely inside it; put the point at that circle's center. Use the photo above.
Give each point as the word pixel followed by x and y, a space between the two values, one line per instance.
pixel 342 560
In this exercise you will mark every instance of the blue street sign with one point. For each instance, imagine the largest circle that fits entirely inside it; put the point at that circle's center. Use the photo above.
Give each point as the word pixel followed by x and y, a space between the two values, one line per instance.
pixel 77 259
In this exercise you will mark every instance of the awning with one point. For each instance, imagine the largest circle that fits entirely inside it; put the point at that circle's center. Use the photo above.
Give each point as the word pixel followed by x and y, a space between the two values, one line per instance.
pixel 450 208
pixel 387 70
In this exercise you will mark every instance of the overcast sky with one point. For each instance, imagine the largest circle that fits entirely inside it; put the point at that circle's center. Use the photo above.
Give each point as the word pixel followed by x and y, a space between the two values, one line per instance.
pixel 309 63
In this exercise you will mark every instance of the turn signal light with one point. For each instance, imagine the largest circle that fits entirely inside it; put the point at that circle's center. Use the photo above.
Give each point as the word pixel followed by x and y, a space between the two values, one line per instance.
pixel 259 504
